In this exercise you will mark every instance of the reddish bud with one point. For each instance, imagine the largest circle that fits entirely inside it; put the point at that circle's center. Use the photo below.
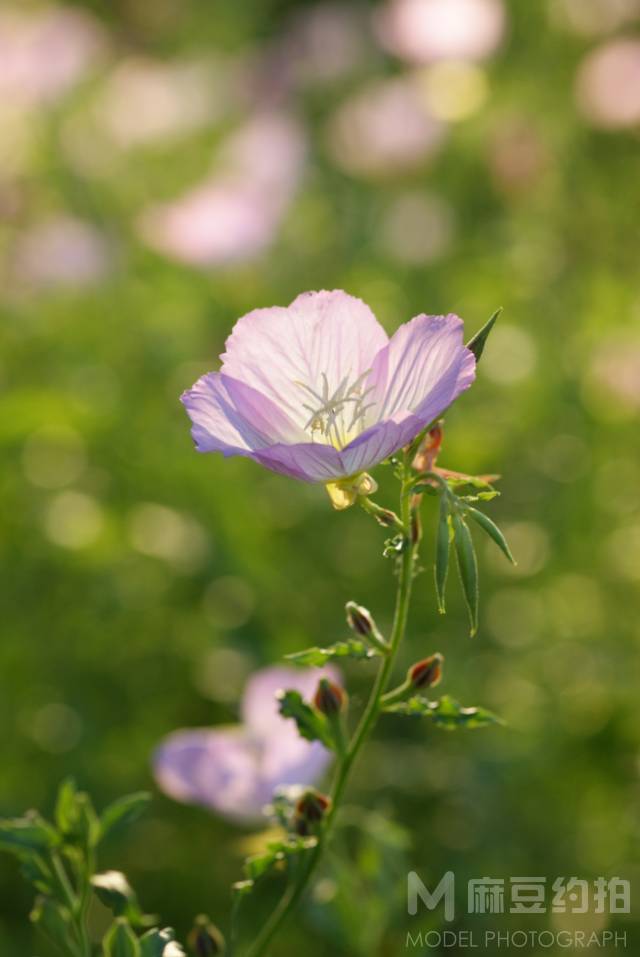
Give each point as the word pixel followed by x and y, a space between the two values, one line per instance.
pixel 426 673
pixel 309 811
pixel 329 698
pixel 429 450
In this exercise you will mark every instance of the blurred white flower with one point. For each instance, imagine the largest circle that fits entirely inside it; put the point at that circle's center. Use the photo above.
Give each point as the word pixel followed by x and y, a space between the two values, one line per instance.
pixel 422 31
pixel 608 85
pixel 384 127
pixel 235 213
pixel 61 252
pixel 43 53
pixel 146 101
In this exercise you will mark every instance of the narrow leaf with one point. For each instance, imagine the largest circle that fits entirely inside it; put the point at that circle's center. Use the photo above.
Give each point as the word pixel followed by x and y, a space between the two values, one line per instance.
pixel 311 725
pixel 120 941
pixel 351 648
pixel 477 343
pixel 30 833
pixel 276 855
pixel 54 920
pixel 467 568
pixel 442 552
pixel 492 530
pixel 123 812
pixel 446 713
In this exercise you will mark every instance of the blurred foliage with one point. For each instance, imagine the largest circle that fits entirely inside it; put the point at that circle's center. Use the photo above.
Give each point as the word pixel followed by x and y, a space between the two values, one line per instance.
pixel 142 583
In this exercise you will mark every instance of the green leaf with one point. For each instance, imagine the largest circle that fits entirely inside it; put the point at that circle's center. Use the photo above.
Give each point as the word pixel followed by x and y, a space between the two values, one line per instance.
pixel 123 811
pixel 350 648
pixel 160 943
pixel 54 920
pixel 311 725
pixel 442 552
pixel 65 814
pixel 75 816
pixel 492 530
pixel 37 873
pixel 120 941
pixel 277 854
pixel 30 833
pixel 467 568
pixel 115 892
pixel 477 343
pixel 446 713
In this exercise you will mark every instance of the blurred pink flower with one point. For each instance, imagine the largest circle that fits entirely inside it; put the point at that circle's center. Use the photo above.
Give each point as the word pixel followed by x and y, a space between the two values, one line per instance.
pixel 327 41
pixel 608 85
pixel 422 31
pixel 236 770
pixel 235 213
pixel 383 128
pixel 61 252
pixel 43 53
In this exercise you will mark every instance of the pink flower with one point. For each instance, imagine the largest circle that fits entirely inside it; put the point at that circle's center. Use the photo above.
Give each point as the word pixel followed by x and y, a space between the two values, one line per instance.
pixel 235 770
pixel 318 392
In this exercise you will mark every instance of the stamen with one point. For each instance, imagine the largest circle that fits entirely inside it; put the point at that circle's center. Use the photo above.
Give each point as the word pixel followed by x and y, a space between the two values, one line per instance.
pixel 328 416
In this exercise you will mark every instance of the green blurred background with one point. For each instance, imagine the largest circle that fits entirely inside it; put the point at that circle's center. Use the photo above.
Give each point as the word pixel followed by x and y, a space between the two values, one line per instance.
pixel 164 168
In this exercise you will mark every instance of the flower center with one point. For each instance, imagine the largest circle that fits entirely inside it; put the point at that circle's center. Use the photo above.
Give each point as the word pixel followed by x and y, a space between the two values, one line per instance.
pixel 340 416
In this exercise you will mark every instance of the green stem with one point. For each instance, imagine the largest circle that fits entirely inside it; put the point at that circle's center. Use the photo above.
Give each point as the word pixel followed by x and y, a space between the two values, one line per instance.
pixel 297 887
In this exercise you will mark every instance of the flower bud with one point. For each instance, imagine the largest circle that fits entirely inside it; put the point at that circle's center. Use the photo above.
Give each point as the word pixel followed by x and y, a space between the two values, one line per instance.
pixel 309 811
pixel 359 619
pixel 426 673
pixel 329 698
pixel 429 450
pixel 205 940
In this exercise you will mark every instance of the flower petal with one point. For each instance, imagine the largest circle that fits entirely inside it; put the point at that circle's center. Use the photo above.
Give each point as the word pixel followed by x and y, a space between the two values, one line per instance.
pixel 308 461
pixel 259 704
pixel 216 768
pixel 423 369
pixel 278 351
pixel 230 417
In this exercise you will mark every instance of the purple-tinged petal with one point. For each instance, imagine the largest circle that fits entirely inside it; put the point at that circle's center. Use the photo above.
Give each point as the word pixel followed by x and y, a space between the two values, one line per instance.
pixel 307 461
pixel 230 417
pixel 423 369
pixel 279 351
pixel 216 768
pixel 379 442
pixel 259 704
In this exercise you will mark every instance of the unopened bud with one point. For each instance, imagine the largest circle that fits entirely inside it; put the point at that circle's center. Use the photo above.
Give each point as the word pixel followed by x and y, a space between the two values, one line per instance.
pixel 429 450
pixel 329 698
pixel 309 811
pixel 426 673
pixel 205 940
pixel 359 619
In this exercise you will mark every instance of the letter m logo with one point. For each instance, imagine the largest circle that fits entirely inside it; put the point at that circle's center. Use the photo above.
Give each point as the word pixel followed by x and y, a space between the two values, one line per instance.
pixel 445 889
